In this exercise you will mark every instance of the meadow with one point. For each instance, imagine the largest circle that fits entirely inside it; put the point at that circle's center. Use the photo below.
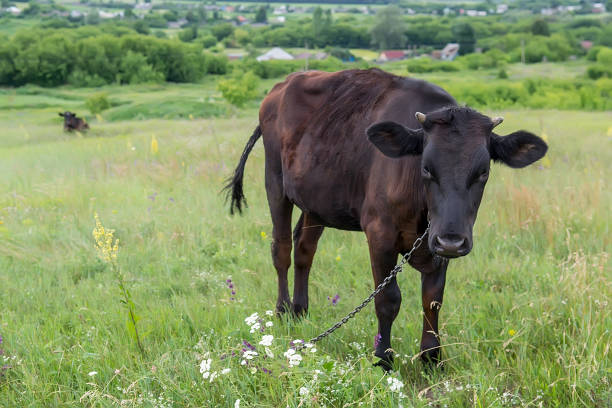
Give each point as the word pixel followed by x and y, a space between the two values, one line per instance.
pixel 526 318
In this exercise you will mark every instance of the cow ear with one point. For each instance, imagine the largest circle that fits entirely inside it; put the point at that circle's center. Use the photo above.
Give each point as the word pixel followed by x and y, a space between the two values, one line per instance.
pixel 518 149
pixel 395 140
pixel 61 114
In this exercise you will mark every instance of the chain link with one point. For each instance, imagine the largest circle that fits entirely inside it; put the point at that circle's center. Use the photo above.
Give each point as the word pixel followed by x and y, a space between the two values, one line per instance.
pixel 397 269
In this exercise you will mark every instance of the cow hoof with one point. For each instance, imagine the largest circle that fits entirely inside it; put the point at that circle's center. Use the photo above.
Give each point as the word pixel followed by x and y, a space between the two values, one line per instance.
pixel 385 362
pixel 282 308
pixel 431 357
pixel 299 310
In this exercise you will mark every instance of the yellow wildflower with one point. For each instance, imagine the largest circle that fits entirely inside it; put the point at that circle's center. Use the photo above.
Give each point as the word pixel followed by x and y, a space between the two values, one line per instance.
pixel 106 244
pixel 264 235
pixel 338 258
pixel 511 332
pixel 610 131
pixel 154 145
pixel 190 116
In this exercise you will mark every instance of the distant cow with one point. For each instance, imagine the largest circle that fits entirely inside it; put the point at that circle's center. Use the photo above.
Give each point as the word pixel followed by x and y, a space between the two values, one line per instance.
pixel 71 122
pixel 351 150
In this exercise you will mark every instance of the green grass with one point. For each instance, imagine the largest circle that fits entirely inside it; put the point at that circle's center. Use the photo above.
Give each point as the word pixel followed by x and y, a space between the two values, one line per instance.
pixel 540 267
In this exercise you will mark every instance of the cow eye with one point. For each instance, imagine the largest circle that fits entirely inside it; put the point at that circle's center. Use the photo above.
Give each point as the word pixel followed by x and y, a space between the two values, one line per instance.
pixel 426 173
pixel 483 176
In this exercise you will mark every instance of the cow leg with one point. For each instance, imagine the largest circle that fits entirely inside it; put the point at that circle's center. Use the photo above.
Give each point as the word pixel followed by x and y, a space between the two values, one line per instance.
pixel 305 237
pixel 280 211
pixel 433 278
pixel 383 257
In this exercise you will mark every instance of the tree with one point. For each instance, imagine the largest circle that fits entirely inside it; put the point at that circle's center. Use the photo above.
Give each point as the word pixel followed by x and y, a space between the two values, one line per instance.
pixel 261 16
pixel 188 34
pixel 464 35
pixel 388 31
pixel 222 30
pixel 239 89
pixel 97 103
pixel 540 27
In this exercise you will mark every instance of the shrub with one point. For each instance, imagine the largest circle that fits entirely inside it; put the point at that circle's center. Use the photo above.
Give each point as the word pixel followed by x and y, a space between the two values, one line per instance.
pixel 97 103
pixel 239 89
pixel 208 41
pixel 421 65
pixel 135 70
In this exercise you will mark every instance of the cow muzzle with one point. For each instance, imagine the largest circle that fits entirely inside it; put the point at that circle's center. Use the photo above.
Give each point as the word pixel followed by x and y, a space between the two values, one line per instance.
pixel 451 245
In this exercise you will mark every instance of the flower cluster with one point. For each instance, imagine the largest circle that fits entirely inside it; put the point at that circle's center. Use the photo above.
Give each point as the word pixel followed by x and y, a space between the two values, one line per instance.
pixel 294 358
pixel 106 244
pixel 395 385
pixel 257 323
pixel 333 300
pixel 205 366
pixel 230 286
pixel 248 352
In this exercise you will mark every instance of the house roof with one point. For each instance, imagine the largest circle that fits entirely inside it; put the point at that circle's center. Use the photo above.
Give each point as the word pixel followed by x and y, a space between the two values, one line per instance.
pixel 393 54
pixel 450 48
pixel 275 53
pixel 310 55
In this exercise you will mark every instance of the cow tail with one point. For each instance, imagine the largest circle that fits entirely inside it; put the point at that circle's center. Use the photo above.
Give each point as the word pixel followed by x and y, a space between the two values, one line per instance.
pixel 234 185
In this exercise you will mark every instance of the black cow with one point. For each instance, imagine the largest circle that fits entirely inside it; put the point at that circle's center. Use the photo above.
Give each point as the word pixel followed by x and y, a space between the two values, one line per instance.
pixel 352 151
pixel 71 122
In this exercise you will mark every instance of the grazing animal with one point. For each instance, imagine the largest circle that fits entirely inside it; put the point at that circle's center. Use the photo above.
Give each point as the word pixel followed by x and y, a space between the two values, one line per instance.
pixel 71 122
pixel 353 152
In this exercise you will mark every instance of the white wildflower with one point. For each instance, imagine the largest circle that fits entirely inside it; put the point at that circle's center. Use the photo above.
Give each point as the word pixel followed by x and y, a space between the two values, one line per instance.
pixel 213 375
pixel 395 385
pixel 249 354
pixel 293 357
pixel 205 365
pixel 237 404
pixel 269 313
pixel 252 319
pixel 243 362
pixel 266 340
pixel 92 373
pixel 256 326
pixel 269 324
pixel 225 371
pixel 269 353
pixel 304 391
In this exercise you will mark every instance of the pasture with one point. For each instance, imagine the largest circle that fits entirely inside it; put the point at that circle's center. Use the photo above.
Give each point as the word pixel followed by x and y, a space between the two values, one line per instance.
pixel 526 317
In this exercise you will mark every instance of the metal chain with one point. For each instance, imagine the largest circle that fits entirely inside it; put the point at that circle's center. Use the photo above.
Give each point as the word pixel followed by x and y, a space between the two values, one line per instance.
pixel 397 269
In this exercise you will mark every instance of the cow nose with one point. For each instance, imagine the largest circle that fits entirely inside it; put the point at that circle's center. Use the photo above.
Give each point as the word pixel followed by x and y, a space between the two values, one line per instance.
pixel 451 246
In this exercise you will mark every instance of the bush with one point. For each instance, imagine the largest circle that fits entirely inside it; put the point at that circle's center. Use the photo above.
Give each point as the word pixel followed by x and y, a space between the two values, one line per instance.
pixel 239 89
pixel 135 70
pixel 422 65
pixel 208 41
pixel 603 67
pixel 97 103
pixel 216 64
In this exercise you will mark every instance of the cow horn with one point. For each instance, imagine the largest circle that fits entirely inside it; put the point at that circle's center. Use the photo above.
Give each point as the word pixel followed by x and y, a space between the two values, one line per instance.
pixel 421 117
pixel 497 121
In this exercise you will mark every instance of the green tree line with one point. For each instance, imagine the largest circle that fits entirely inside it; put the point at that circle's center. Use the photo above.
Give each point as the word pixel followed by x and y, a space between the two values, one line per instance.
pixel 89 57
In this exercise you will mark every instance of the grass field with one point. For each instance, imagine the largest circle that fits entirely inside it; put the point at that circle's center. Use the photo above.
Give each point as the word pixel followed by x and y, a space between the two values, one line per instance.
pixel 526 319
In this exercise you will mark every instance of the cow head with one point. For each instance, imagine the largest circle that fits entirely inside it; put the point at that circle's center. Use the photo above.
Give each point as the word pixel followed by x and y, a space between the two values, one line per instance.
pixel 456 145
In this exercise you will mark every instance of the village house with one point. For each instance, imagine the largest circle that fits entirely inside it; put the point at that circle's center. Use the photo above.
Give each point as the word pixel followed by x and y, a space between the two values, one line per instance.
pixel 391 55
pixel 275 53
